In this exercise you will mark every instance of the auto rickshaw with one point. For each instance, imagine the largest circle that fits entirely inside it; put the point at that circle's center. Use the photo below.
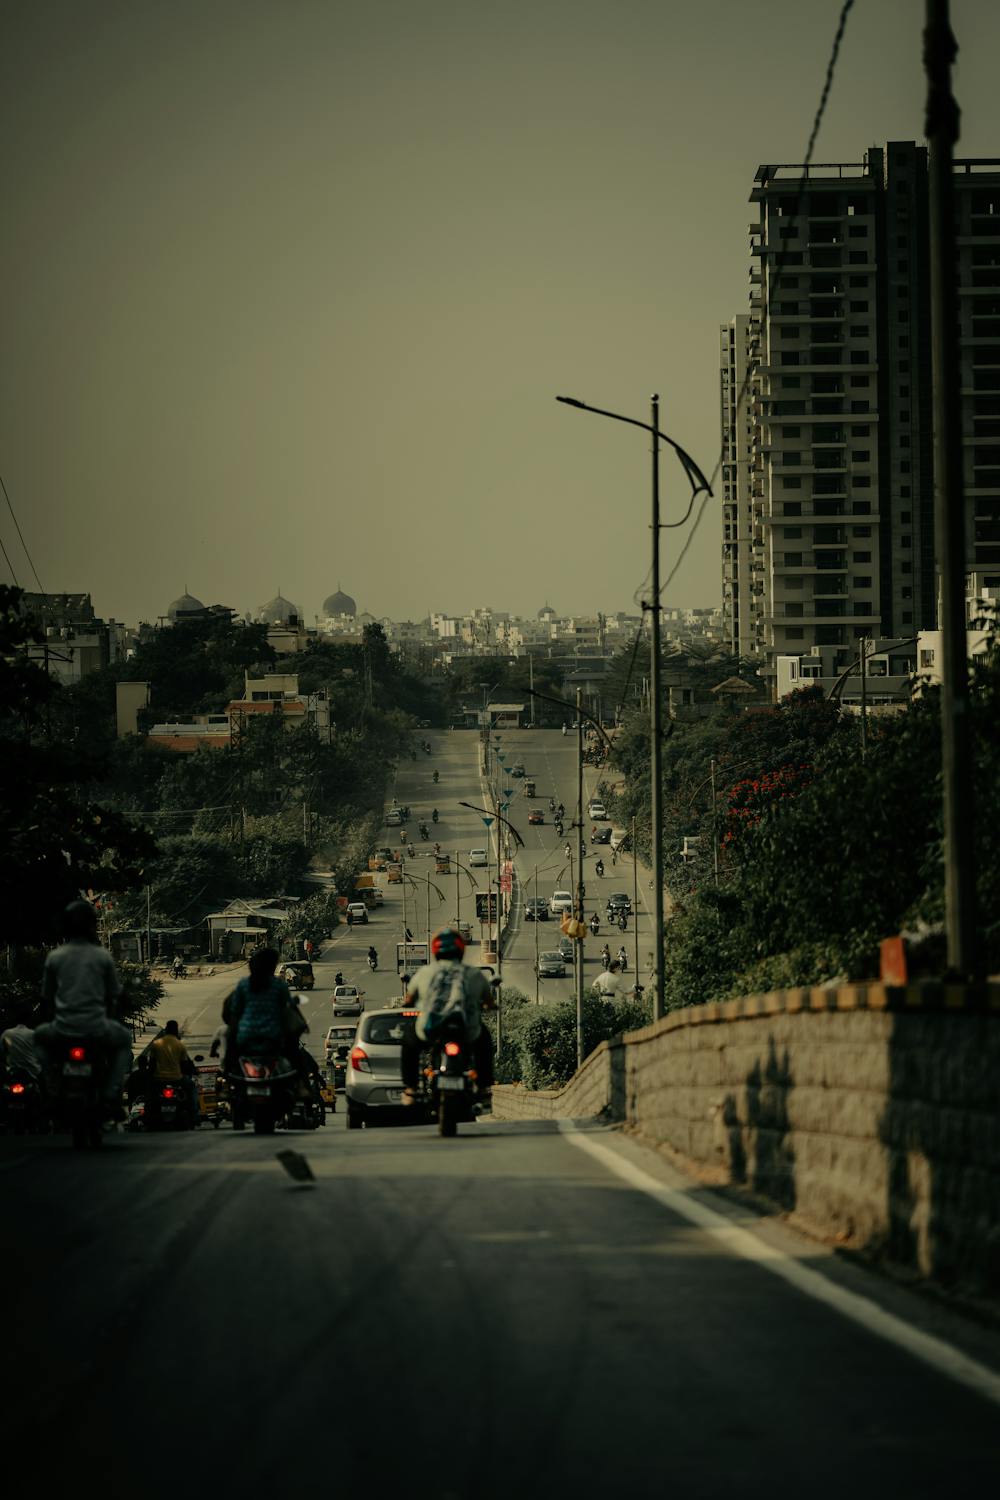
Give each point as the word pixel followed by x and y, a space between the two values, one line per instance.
pixel 213 1106
pixel 394 873
pixel 298 974
pixel 529 788
pixel 442 865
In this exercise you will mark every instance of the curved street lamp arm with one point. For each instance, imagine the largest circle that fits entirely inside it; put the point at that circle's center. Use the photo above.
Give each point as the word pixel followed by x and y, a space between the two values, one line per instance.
pixel 910 640
pixel 561 703
pixel 487 813
pixel 696 478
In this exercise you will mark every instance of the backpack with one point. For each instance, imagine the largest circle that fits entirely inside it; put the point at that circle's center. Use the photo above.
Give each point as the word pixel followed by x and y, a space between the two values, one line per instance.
pixel 445 999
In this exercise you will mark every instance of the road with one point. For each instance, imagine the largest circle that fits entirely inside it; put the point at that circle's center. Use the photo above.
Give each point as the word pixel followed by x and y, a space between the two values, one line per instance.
pixel 499 1313
pixel 530 1309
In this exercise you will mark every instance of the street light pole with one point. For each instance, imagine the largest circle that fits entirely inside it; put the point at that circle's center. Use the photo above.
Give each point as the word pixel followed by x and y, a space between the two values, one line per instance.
pixel 655 729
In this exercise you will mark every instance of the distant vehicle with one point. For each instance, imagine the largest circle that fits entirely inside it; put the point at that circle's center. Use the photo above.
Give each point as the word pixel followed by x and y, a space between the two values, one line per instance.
pixel 597 811
pixel 374 1078
pixel 517 769
pixel 337 1038
pixel 348 1000
pixel 559 902
pixel 618 902
pixel 299 976
pixel 536 815
pixel 551 965
pixel 601 835
pixel 393 817
pixel 566 948
pixel 536 910
pixel 618 837
pixel 478 857
pixel 358 911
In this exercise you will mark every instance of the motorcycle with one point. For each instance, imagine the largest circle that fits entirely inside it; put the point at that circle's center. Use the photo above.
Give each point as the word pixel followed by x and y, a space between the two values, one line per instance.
pixel 451 1080
pixel 623 923
pixel 425 832
pixel 434 816
pixel 606 959
pixel 559 830
pixel 623 960
pixel 307 1110
pixel 80 1065
pixel 599 869
pixel 178 970
pixel 262 1088
pixel 168 1105
pixel 373 961
pixel 23 1113
pixel 552 804
pixel 595 925
pixel 436 777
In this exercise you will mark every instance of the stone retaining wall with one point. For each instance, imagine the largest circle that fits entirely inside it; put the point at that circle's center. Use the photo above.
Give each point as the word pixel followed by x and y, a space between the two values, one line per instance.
pixel 872 1114
pixel 597 1089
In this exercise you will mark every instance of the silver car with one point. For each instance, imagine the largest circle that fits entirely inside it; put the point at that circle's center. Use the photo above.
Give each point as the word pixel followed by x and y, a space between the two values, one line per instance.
pixel 348 1000
pixel 374 1078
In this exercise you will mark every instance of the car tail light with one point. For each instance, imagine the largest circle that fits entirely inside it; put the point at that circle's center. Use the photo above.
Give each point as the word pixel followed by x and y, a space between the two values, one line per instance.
pixel 359 1060
pixel 409 1013
pixel 17 1088
pixel 166 1093
pixel 77 1054
pixel 452 1049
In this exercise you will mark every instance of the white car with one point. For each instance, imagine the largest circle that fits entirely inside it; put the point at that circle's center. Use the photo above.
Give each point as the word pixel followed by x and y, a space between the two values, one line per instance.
pixel 347 1000
pixel 393 817
pixel 559 902
pixel 597 811
pixel 618 837
pixel 478 857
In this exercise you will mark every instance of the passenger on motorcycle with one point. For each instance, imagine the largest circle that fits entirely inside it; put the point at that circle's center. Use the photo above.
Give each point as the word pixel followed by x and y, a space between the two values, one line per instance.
pixel 595 925
pixel 260 1013
pixel 169 1063
pixel 440 990
pixel 80 990
pixel 177 968
pixel 18 1053
pixel 373 958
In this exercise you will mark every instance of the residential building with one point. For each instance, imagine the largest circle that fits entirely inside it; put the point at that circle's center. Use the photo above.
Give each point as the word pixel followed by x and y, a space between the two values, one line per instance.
pixel 841 473
pixel 737 513
pixel 76 641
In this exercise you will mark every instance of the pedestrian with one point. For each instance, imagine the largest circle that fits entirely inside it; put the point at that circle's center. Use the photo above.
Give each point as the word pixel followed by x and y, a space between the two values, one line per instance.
pixel 350 917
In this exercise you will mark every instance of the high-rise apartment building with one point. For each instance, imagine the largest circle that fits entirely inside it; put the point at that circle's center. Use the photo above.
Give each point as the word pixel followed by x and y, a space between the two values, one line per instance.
pixel 840 530
pixel 737 433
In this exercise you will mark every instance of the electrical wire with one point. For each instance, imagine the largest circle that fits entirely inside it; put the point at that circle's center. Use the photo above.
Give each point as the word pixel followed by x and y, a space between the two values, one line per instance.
pixel 780 264
pixel 21 535
pixel 10 565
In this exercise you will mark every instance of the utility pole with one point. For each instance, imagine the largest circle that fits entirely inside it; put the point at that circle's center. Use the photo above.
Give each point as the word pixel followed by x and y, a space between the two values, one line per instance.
pixel 538 998
pixel 577 942
pixel 531 684
pixel 864 697
pixel 715 832
pixel 149 927
pixel 656 738
pixel 635 901
pixel 942 131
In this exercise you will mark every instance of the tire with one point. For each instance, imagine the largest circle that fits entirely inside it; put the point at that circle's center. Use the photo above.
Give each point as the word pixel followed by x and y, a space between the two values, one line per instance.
pixel 81 1135
pixel 447 1116
pixel 216 1121
pixel 355 1116
pixel 263 1124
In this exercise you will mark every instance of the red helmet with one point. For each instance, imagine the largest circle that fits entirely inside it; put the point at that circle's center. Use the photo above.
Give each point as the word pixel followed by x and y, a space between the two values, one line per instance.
pixel 447 943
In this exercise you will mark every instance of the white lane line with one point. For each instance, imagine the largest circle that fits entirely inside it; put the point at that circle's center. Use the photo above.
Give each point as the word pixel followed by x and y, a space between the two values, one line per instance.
pixel 943 1357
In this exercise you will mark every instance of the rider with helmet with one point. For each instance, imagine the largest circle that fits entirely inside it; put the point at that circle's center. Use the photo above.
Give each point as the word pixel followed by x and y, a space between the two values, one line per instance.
pixel 81 990
pixel 437 991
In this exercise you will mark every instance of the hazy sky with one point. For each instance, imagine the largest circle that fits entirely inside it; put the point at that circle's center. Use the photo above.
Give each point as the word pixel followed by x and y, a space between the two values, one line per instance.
pixel 290 285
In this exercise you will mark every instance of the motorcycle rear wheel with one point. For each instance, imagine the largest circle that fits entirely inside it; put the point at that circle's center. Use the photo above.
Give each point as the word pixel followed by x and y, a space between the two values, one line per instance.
pixel 447 1116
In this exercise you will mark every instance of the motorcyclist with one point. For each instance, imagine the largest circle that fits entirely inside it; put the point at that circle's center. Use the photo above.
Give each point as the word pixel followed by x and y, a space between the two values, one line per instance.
pixel 81 989
pixel 425 832
pixel 552 804
pixel 565 729
pixel 338 978
pixel 438 990
pixel 623 922
pixel 436 778
pixel 168 1062
pixel 606 957
pixel 562 811
pixel 434 815
pixel 568 851
pixel 599 869
pixel 18 1053
pixel 558 828
pixel 372 958
pixel 260 1013
pixel 177 967
pixel 595 925
pixel 623 959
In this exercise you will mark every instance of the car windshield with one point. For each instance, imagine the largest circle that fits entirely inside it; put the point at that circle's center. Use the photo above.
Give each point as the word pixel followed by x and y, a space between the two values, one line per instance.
pixel 551 958
pixel 561 896
pixel 387 1031
pixel 345 992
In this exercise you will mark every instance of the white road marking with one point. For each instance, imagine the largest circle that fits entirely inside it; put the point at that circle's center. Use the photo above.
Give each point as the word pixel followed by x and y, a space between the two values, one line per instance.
pixel 943 1357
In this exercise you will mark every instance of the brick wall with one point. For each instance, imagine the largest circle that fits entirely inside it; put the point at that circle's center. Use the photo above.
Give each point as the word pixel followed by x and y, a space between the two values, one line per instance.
pixel 871 1114
pixel 597 1089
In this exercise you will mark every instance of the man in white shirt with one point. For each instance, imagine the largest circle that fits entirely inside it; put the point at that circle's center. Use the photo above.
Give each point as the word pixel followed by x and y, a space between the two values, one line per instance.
pixel 608 986
pixel 81 987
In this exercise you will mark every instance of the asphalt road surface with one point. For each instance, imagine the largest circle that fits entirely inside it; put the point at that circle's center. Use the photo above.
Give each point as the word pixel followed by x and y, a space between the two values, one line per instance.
pixel 493 1315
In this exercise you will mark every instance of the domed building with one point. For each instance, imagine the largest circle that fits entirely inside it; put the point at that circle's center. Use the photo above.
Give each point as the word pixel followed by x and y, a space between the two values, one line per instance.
pixel 278 611
pixel 339 604
pixel 187 607
pixel 546 613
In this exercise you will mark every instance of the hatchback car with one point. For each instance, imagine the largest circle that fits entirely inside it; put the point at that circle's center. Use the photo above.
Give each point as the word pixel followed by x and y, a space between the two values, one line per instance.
pixel 618 902
pixel 477 857
pixel 338 1037
pixel 601 835
pixel 517 769
pixel 348 1000
pixel 536 910
pixel 373 1082
pixel 597 811
pixel 566 948
pixel 357 911
pixel 559 902
pixel 536 815
pixel 551 965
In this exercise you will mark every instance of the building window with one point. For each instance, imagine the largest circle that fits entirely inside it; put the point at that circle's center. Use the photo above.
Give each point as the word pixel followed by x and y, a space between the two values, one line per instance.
pixel 789 483
pixel 926 658
pixel 862 583
pixel 793 533
pixel 862 508
pixel 859 406
pixel 904 341
pixel 904 393
pixel 793 432
pixel 904 416
pixel 907 617
pixel 861 482
pixel 794 632
pixel 906 593
pixel 792 508
pixel 861 455
pixel 789 333
pixel 862 608
pixel 904 518
pixel 906 540
pixel 904 467
pixel 790 357
pixel 857 307
pixel 904 367
pixel 904 441
pixel 857 281
pixel 859 382
pixel 906 567
pixel 790 382
pixel 861 557
pixel 857 231
pixel 793 559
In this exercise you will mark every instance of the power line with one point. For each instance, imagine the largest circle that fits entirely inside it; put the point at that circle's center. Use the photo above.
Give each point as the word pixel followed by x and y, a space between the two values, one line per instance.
pixel 10 565
pixel 21 535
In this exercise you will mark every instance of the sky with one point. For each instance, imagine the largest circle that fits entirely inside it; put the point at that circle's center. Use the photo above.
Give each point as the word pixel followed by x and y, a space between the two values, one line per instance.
pixel 290 286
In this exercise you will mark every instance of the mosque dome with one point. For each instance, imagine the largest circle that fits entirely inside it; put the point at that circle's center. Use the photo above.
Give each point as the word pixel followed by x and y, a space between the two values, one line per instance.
pixel 545 610
pixel 187 604
pixel 278 611
pixel 340 604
